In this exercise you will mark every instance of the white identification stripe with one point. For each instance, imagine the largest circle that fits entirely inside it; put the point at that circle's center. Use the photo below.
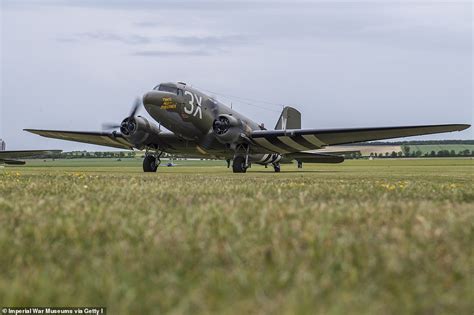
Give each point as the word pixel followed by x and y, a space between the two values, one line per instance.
pixel 314 140
pixel 266 144
pixel 264 158
pixel 276 158
pixel 290 142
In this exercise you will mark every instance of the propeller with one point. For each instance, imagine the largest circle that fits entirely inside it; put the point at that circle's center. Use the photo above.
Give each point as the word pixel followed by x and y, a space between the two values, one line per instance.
pixel 128 125
pixel 110 126
pixel 209 138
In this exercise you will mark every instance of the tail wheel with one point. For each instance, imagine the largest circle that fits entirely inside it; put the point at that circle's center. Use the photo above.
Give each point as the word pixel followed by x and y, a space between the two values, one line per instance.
pixel 150 164
pixel 238 166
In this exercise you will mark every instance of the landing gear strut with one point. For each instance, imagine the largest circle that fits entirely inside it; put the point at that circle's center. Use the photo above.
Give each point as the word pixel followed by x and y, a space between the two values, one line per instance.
pixel 151 162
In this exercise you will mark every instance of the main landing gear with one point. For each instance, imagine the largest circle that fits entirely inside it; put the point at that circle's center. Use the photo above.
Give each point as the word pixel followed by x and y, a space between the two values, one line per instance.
pixel 151 162
pixel 239 165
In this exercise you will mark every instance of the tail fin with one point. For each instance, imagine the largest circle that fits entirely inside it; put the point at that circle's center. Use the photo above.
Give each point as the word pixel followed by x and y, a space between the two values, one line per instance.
pixel 290 118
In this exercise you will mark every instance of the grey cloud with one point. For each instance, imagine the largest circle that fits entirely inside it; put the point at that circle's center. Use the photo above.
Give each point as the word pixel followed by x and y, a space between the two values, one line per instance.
pixel 207 41
pixel 147 24
pixel 198 44
pixel 170 53
pixel 132 39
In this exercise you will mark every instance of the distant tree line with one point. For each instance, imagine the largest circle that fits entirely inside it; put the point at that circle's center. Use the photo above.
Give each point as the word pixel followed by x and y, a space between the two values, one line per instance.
pixel 92 155
pixel 440 153
pixel 418 153
pixel 412 154
pixel 420 142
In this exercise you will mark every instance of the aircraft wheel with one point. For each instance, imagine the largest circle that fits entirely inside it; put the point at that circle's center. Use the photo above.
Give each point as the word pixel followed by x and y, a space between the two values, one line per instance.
pixel 276 167
pixel 238 166
pixel 149 164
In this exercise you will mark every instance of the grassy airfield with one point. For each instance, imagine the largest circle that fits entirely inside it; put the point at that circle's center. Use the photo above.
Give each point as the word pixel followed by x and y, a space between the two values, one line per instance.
pixel 382 236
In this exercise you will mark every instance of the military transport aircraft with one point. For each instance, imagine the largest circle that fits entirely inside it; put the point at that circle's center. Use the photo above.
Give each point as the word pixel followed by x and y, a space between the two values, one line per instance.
pixel 201 126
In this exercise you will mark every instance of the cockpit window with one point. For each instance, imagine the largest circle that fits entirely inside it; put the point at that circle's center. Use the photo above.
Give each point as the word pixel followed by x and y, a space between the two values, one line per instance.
pixel 165 88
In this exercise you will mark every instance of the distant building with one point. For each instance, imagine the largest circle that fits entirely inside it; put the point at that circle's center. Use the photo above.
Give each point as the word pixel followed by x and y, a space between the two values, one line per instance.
pixel 3 145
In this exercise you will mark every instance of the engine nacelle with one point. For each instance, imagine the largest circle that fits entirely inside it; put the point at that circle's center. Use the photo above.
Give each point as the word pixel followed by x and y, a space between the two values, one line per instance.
pixel 229 129
pixel 138 130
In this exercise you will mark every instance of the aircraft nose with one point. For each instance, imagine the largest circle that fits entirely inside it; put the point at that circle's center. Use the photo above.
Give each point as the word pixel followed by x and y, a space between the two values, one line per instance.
pixel 152 98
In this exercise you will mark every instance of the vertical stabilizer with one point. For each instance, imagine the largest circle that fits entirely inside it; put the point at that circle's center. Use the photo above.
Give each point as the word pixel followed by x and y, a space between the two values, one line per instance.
pixel 290 118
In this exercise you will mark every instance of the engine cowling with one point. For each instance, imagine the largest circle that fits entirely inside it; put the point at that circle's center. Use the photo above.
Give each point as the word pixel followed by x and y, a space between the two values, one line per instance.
pixel 138 130
pixel 229 129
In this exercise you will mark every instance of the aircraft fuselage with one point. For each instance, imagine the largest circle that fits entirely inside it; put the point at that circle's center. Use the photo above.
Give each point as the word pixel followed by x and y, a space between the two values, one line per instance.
pixel 190 114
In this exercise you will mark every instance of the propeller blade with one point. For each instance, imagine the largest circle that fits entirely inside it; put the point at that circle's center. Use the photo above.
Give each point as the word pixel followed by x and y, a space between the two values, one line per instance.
pixel 109 126
pixel 136 106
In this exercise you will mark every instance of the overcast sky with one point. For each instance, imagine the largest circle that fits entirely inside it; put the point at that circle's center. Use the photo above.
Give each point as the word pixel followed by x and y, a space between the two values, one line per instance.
pixel 73 64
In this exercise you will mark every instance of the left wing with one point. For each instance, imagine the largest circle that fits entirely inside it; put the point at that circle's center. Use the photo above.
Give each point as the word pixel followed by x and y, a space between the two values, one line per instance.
pixel 297 140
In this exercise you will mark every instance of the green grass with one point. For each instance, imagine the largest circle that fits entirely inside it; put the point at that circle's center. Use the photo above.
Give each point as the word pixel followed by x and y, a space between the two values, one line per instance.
pixel 363 237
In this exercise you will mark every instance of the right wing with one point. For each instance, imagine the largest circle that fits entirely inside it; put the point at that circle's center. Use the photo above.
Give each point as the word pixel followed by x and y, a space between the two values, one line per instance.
pixel 167 142
pixel 108 139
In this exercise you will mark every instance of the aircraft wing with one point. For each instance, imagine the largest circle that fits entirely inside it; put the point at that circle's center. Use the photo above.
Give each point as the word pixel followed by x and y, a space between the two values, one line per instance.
pixel 8 157
pixel 297 140
pixel 168 142
pixel 108 139
pixel 4 155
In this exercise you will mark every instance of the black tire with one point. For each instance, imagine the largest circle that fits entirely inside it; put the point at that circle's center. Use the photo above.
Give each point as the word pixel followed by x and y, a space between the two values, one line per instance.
pixel 238 166
pixel 149 164
pixel 277 168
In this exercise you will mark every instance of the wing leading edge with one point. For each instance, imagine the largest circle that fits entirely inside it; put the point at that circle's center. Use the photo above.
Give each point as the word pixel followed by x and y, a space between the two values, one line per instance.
pixel 108 139
pixel 297 140
pixel 168 142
